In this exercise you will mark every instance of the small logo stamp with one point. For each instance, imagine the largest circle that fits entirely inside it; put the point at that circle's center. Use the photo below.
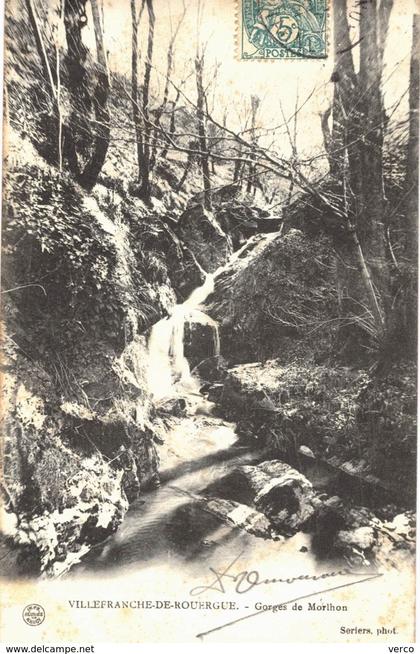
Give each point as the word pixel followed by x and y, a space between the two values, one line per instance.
pixel 33 615
pixel 283 29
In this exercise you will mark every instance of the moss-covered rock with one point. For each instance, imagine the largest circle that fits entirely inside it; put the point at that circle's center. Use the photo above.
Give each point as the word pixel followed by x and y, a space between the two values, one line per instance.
pixel 202 233
pixel 277 298
pixel 83 278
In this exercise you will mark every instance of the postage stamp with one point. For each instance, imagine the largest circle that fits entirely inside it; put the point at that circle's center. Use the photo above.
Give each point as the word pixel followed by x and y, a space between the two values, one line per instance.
pixel 283 29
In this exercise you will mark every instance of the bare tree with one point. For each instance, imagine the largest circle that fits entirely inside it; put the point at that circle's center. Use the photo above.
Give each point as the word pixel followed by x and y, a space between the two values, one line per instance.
pixel 135 82
pixel 201 128
pixel 83 140
pixel 145 172
pixel 355 152
pixel 140 108
pixel 163 106
pixel 255 103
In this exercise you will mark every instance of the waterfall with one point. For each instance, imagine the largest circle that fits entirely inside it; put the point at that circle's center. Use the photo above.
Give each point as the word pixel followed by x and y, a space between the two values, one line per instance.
pixel 168 370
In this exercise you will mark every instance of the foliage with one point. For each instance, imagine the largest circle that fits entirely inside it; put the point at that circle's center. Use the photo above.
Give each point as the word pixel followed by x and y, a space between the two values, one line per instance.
pixel 301 404
pixel 55 253
pixel 387 419
pixel 338 412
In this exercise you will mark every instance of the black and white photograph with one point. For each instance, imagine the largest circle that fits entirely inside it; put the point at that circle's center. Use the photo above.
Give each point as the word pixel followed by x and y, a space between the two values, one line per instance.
pixel 209 322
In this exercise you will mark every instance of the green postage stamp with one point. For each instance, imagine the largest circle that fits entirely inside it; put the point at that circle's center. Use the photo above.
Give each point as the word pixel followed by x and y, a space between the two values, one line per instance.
pixel 283 29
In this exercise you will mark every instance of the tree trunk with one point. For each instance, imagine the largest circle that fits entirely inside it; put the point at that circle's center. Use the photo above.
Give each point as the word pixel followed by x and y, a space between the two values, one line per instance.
pixel 134 87
pixel 170 136
pixel 237 171
pixel 145 169
pixel 354 147
pixel 102 128
pixel 76 133
pixel 169 68
pixel 251 171
pixel 46 68
pixel 204 155
pixel 411 227
pixel 370 221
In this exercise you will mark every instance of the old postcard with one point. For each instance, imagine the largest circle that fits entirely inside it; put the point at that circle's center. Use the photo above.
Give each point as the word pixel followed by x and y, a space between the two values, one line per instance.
pixel 209 321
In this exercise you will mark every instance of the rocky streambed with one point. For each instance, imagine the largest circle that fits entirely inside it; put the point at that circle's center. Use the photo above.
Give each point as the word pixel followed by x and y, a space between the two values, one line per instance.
pixel 237 465
pixel 220 494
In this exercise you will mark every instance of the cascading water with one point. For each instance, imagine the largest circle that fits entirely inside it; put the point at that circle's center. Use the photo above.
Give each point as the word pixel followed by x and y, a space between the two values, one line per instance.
pixel 168 369
pixel 168 530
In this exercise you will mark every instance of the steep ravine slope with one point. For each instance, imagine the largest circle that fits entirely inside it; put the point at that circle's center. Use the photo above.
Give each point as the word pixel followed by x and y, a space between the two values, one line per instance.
pixel 85 276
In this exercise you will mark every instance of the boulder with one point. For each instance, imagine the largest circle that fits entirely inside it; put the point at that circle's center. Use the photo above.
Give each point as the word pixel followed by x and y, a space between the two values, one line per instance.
pixel 241 516
pixel 272 295
pixel 201 232
pixel 213 369
pixel 356 534
pixel 185 272
pixel 241 220
pixel 201 341
pixel 281 493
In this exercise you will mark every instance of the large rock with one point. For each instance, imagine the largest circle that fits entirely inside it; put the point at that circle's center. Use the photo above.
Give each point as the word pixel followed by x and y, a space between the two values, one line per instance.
pixel 241 516
pixel 331 410
pixel 213 369
pixel 202 233
pixel 201 341
pixel 184 271
pixel 272 296
pixel 280 492
pixel 78 428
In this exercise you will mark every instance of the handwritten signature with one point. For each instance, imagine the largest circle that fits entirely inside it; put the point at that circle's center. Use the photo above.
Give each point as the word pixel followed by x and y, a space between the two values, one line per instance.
pixel 245 580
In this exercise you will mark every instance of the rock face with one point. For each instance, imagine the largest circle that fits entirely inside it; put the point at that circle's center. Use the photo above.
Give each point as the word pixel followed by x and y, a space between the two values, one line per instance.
pixel 327 411
pixel 280 492
pixel 241 214
pixel 213 369
pixel 242 220
pixel 169 260
pixel 70 469
pixel 289 406
pixel 202 233
pixel 80 427
pixel 49 542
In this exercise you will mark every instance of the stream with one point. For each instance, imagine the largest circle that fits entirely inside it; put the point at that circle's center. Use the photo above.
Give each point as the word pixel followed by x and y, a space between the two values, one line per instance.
pixel 166 523
pixel 170 523
pixel 167 526
pixel 178 563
